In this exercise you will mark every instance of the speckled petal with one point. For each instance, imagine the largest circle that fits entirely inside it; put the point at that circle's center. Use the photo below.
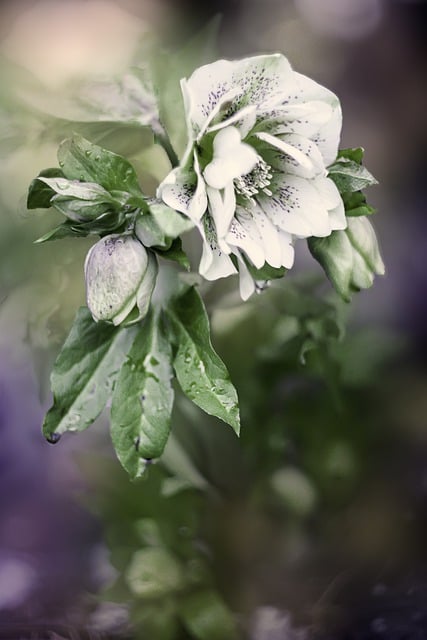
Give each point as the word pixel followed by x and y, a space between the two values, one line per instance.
pixel 240 236
pixel 214 263
pixel 185 191
pixel 287 163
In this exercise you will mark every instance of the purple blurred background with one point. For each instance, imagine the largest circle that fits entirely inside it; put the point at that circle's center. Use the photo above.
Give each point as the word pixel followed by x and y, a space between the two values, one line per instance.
pixel 372 53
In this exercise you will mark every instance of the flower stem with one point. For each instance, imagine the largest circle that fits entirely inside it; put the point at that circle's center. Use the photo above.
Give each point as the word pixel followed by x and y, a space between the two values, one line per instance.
pixel 162 138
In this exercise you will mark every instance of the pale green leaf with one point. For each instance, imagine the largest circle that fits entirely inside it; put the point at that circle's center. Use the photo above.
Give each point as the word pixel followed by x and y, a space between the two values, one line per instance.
pixel 84 374
pixel 201 373
pixel 143 399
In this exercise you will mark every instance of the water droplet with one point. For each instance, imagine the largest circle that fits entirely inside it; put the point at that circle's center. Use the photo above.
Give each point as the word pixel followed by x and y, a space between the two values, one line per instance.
pixel 136 443
pixel 53 438
pixel 187 358
pixel 62 163
pixel 82 178
pixel 74 419
pixel 88 153
pixel 97 158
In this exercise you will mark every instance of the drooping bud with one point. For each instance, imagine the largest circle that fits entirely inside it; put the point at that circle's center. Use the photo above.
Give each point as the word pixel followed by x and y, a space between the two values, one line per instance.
pixel 350 258
pixel 120 277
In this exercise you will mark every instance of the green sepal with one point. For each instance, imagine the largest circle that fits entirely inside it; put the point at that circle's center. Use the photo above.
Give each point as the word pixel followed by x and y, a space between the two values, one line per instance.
pixel 40 193
pixel 160 225
pixel 84 374
pixel 352 153
pixel 176 254
pixel 143 398
pixel 266 272
pixel 201 373
pixel 355 204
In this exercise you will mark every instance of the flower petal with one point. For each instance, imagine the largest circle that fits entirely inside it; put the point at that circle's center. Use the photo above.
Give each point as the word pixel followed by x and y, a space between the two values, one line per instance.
pixel 244 120
pixel 222 205
pixel 232 159
pixel 295 207
pixel 328 136
pixel 287 249
pixel 286 148
pixel 268 234
pixel 239 236
pixel 214 263
pixel 287 163
pixel 246 281
pixel 184 190
pixel 259 78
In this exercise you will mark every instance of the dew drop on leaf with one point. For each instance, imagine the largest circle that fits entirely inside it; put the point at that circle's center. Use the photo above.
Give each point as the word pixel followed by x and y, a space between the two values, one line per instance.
pixel 53 438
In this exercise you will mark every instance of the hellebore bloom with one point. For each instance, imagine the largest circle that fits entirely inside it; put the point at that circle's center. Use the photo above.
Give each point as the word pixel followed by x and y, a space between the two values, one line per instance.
pixel 120 277
pixel 254 174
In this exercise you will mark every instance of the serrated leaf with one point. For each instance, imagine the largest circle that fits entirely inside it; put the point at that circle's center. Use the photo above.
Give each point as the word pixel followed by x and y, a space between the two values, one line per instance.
pixel 143 399
pixel 79 201
pixel 201 373
pixel 84 374
pixel 350 176
pixel 40 193
pixel 84 161
pixel 206 616
pixel 65 230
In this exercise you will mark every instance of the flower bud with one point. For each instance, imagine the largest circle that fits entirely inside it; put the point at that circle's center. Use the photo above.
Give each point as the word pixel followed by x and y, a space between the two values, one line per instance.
pixel 350 258
pixel 120 277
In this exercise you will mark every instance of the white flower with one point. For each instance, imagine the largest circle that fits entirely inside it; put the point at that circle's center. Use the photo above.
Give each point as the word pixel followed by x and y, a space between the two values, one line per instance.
pixel 254 173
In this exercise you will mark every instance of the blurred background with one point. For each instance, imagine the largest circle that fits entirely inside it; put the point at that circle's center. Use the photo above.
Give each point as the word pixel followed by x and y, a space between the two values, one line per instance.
pixel 314 525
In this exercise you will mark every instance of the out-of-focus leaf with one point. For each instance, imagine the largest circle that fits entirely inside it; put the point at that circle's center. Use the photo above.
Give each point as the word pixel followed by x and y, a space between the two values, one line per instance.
pixel 154 573
pixel 206 617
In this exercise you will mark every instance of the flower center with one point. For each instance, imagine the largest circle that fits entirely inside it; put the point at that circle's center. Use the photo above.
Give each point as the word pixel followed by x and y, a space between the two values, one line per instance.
pixel 257 180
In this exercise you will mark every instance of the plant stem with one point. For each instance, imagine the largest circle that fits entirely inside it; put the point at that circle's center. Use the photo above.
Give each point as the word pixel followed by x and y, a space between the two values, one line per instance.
pixel 161 136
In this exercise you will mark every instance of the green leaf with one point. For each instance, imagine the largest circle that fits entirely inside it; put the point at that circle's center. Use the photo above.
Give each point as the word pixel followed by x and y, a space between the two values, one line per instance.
pixel 350 176
pixel 80 201
pixel 65 230
pixel 143 399
pixel 39 192
pixel 355 204
pixel 84 374
pixel 154 573
pixel 81 160
pixel 266 272
pixel 355 154
pixel 206 617
pixel 160 225
pixel 177 254
pixel 201 373
pixel 335 255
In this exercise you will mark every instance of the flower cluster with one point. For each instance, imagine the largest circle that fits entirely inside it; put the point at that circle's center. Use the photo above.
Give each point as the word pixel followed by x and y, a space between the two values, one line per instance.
pixel 254 174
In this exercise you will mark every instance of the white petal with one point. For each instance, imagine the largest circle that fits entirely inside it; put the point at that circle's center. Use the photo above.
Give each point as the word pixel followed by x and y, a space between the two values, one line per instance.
pixel 295 207
pixel 328 192
pixel 328 137
pixel 287 250
pixel 337 217
pixel 232 158
pixel 244 120
pixel 214 263
pixel 268 234
pixel 185 191
pixel 246 281
pixel 222 205
pixel 286 163
pixel 285 147
pixel 259 79
pixel 238 236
